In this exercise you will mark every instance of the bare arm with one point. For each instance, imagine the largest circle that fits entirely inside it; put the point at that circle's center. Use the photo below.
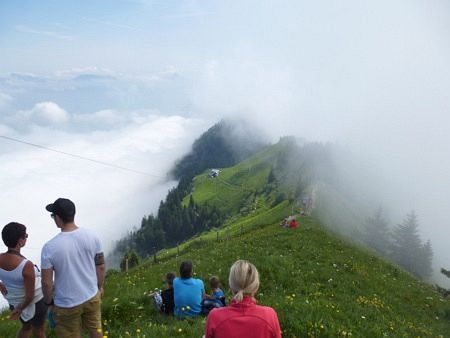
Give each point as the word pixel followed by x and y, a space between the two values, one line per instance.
pixel 47 284
pixel 29 282
pixel 100 269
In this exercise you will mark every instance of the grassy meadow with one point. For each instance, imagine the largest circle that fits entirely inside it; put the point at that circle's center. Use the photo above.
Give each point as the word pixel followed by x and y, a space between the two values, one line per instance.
pixel 319 285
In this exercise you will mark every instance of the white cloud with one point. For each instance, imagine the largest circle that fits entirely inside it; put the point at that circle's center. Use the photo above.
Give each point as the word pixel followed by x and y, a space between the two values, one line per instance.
pixel 5 129
pixel 109 200
pixel 50 34
pixel 42 114
pixel 106 117
pixel 243 85
pixel 5 100
pixel 49 112
pixel 92 70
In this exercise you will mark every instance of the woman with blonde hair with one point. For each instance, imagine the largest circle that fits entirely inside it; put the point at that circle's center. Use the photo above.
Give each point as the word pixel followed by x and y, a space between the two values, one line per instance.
pixel 243 318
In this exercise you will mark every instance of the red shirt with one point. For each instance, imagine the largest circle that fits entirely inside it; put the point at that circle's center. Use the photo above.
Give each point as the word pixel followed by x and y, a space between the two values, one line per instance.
pixel 293 224
pixel 243 320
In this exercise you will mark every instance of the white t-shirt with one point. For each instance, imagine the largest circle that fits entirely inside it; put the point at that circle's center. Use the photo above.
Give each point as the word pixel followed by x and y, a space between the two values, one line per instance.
pixel 71 255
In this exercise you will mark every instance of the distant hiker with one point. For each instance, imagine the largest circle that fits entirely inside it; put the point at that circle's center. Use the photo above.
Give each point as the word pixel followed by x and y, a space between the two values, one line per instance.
pixel 284 223
pixel 243 318
pixel 188 292
pixel 75 258
pixel 293 224
pixel 217 297
pixel 164 300
pixel 21 283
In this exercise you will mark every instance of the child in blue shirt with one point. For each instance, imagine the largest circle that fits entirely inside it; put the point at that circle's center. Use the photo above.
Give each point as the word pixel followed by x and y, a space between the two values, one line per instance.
pixel 217 292
pixel 217 297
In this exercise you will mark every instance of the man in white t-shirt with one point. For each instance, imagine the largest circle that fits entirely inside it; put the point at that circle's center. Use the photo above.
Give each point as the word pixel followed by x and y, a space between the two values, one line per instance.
pixel 75 258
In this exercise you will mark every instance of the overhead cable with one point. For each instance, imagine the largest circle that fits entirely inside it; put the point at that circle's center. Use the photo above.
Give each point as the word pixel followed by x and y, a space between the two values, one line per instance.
pixel 80 157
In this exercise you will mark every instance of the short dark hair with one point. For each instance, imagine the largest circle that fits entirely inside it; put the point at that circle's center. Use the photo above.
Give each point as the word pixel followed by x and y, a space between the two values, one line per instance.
pixel 12 232
pixel 214 282
pixel 170 276
pixel 186 270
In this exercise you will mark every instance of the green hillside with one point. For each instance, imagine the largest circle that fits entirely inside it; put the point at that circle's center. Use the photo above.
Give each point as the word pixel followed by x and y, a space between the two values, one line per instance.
pixel 320 285
pixel 240 189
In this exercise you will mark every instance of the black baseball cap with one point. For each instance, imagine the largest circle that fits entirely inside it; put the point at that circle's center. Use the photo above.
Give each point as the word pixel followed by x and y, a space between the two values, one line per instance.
pixel 62 207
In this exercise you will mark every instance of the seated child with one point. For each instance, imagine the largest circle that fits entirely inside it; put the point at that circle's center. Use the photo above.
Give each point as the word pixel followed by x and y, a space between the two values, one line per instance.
pixel 284 223
pixel 216 299
pixel 217 292
pixel 164 300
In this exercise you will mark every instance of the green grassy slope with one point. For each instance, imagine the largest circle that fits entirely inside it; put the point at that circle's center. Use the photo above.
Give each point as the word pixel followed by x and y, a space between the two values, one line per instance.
pixel 239 188
pixel 319 285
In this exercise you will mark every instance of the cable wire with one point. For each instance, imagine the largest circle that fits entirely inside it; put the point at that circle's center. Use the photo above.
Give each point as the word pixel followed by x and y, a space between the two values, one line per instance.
pixel 80 157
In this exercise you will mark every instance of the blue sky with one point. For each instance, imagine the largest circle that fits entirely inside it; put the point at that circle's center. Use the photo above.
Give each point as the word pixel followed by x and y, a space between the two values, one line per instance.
pixel 135 82
pixel 111 34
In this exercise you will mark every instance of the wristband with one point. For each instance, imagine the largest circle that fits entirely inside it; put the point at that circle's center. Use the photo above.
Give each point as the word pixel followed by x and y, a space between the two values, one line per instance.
pixel 51 303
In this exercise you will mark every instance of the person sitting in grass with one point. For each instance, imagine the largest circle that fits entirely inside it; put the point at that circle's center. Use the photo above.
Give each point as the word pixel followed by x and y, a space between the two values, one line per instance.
pixel 216 291
pixel 164 300
pixel 293 224
pixel 217 297
pixel 188 292
pixel 243 318
pixel 168 303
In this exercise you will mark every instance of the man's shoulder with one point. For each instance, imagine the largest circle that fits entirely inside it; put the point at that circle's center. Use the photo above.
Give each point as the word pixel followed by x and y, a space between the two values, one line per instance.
pixel 198 282
pixel 52 242
pixel 86 232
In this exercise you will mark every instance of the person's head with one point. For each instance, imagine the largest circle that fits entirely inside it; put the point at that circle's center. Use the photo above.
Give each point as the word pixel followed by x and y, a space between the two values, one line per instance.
pixel 186 270
pixel 170 276
pixel 243 280
pixel 214 282
pixel 63 210
pixel 14 233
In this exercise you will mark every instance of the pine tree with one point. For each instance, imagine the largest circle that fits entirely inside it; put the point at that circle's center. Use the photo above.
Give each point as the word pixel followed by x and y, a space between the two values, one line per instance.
pixel 426 260
pixel 271 178
pixel 376 233
pixel 133 260
pixel 407 248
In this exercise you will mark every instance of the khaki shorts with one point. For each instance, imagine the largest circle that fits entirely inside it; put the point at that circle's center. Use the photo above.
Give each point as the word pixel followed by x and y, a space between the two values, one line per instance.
pixel 86 316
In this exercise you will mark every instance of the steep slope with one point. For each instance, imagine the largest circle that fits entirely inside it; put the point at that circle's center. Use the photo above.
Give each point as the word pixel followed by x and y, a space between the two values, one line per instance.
pixel 319 285
pixel 224 144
